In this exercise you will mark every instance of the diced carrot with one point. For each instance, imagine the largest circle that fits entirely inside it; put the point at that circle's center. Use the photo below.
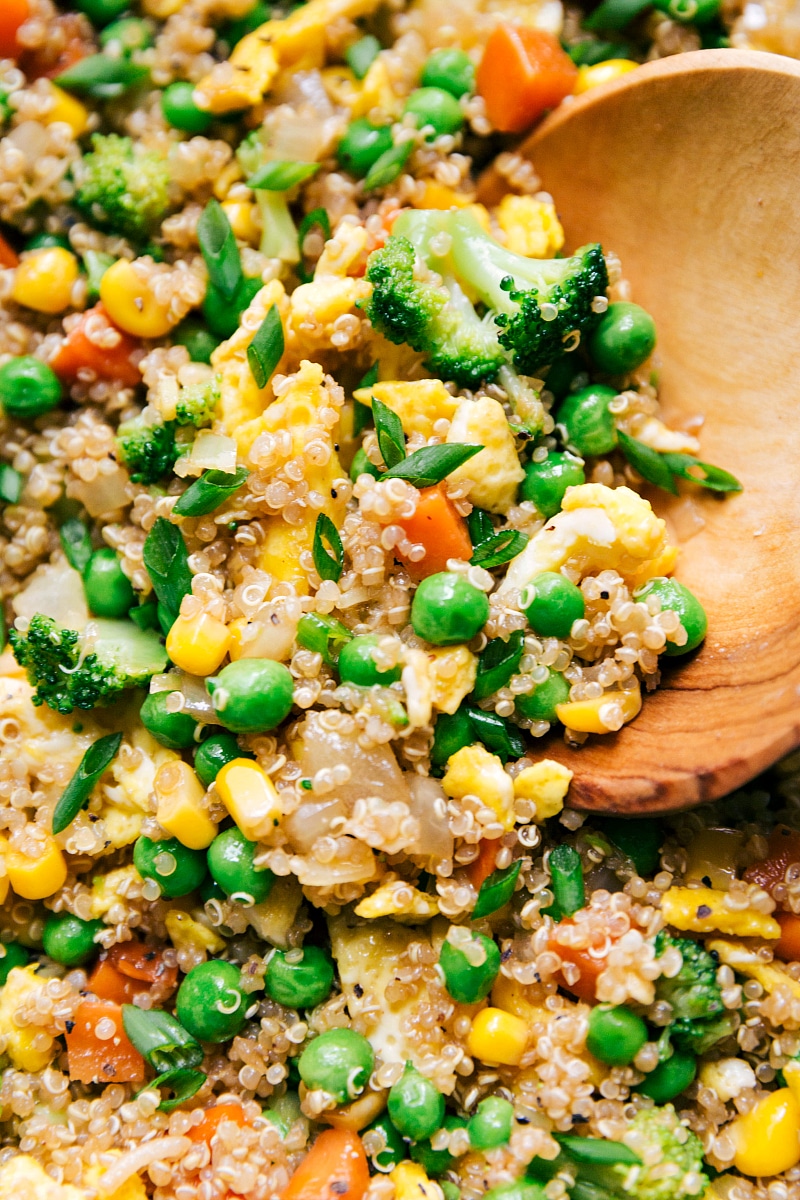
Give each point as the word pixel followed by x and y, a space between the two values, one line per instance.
pixel 590 968
pixel 783 852
pixel 98 1049
pixel 523 72
pixel 78 351
pixel 212 1120
pixel 440 528
pixel 140 962
pixel 107 983
pixel 787 946
pixel 13 13
pixel 69 40
pixel 335 1168
pixel 8 255
pixel 481 867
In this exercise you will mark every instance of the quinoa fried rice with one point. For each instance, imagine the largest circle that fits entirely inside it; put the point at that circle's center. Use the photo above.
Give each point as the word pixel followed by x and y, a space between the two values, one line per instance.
pixel 303 553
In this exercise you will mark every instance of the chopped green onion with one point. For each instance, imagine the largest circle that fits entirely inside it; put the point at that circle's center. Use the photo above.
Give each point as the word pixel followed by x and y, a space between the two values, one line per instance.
pixel 322 634
pixel 167 563
pixel 182 1083
pixel 496 891
pixel 11 484
pixel 317 216
pixel 431 464
pixel 501 737
pixel 265 350
pixel 498 662
pixel 101 76
pixel 566 882
pixel 596 1150
pixel 500 548
pixel 387 168
pixel 649 463
pixel 209 492
pixel 219 250
pixel 615 14
pixel 95 761
pixel 76 543
pixel 685 466
pixel 280 176
pixel 389 428
pixel 96 263
pixel 661 469
pixel 160 1038
pixel 361 55
pixel 480 526
pixel 328 563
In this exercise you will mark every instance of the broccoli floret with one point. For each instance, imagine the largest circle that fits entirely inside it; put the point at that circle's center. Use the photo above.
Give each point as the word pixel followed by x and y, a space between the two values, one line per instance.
pixel 82 670
pixel 536 310
pixel 699 1018
pixel 148 450
pixel 279 232
pixel 122 185
pixel 197 403
pixel 697 1037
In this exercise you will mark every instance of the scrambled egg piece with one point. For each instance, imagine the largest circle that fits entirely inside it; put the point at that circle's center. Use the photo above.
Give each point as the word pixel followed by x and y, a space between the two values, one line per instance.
pixel 658 436
pixel 545 784
pixel 411 1183
pixel 274 919
pixel 452 670
pixel 296 42
pixel 396 898
pixel 106 889
pixel 419 405
pixel 473 771
pixel 315 307
pixel 22 1176
pixel 376 91
pixel 531 226
pixel 599 528
pixel 728 1077
pixel 745 961
pixel 703 910
pixel 241 399
pixel 132 1189
pixel 186 933
pixel 496 470
pixel 22 985
pixel 128 800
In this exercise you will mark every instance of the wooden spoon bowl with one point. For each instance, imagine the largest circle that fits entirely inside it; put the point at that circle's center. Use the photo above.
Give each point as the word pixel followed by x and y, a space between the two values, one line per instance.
pixel 689 169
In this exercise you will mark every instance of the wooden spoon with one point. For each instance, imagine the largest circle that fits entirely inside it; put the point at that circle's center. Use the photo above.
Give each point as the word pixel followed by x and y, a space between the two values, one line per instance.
pixel 689 169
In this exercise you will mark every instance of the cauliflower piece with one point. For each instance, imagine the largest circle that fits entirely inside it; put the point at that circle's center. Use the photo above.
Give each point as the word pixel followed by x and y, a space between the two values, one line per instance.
pixel 745 961
pixel 496 470
pixel 241 400
pixel 473 771
pixel 21 987
pixel 397 898
pixel 545 784
pixel 599 528
pixel 419 405
pixel 531 226
pixel 186 933
pixel 107 889
pixel 23 1176
pixel 704 910
pixel 728 1077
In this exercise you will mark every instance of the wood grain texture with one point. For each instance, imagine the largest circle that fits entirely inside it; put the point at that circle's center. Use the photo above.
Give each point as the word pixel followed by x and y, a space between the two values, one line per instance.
pixel 690 170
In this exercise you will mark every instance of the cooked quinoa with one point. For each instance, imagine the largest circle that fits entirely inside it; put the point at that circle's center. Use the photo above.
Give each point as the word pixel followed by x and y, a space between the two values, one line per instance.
pixel 317 539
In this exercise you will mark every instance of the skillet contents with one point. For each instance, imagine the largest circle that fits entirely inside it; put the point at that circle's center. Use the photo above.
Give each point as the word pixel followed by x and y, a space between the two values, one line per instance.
pixel 323 482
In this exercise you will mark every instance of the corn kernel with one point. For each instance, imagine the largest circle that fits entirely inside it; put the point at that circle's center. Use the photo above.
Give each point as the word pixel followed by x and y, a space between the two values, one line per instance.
pixel 242 218
pixel 37 878
pixel 67 110
pixel 791 1073
pixel 703 910
pixel 531 226
pixel 250 797
pixel 187 934
pixel 497 1037
pixel 4 882
pixel 438 195
pixel 44 280
pixel 130 303
pixel 602 72
pixel 767 1139
pixel 198 644
pixel 411 1183
pixel 588 716
pixel 545 784
pixel 181 808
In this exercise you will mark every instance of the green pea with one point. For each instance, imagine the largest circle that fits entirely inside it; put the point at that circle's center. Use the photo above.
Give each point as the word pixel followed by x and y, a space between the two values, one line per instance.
pixel 173 730
pixel 230 861
pixel 221 314
pixel 210 1004
pixel 196 338
pixel 563 375
pixel 670 1078
pixel 210 890
pixel 469 982
pixel 339 1062
pixel 520 1189
pixel 283 1111
pixel 450 1190
pixel 675 596
pixel 303 982
pixel 357 663
pixel 69 940
pixel 180 110
pixel 492 1123
pixel 640 839
pixel 436 1162
pixel 540 704
pixel 451 70
pixel 176 869
pixel 252 695
pixel 395 1149
pixel 362 146
pixel 589 424
pixel 447 609
pixel 100 12
pixel 623 339
pixel 415 1105
pixel 546 482
pixel 616 1035
pixel 362 465
pixel 213 753
pixel 28 388
pixel 11 955
pixel 434 107
pixel 697 12
pixel 127 35
pixel 451 733
pixel 44 241
pixel 108 589
pixel 552 604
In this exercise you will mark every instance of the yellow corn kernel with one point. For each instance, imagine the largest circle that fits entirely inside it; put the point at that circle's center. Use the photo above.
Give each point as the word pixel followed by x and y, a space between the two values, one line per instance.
pixel 44 280
pixel 531 226
pixel 596 716
pixel 242 218
pixel 791 1073
pixel 181 808
pixel 4 883
pixel 497 1037
pixel 341 85
pixel 37 878
pixel 376 92
pixel 411 1183
pixel 250 797
pixel 227 177
pixel 187 934
pixel 545 784
pixel 602 72
pixel 703 910
pixel 198 644
pixel 438 195
pixel 129 302
pixel 68 110
pixel 767 1139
